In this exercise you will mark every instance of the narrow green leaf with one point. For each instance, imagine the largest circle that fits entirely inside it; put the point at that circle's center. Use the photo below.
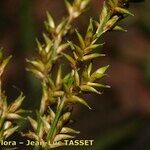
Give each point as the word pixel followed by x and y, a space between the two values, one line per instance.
pixel 13 116
pixel 45 124
pixel 50 20
pixel 37 64
pixel 78 50
pixel 92 47
pixel 16 104
pixel 10 131
pixel 69 7
pixel 75 99
pixel 4 63
pixel 70 59
pixel 119 28
pixel 123 11
pixel 59 76
pixel 89 70
pixel 1 54
pixel 66 130
pixel 46 38
pixel 99 73
pixel 48 47
pixel 92 56
pixel 37 73
pixel 60 137
pixel 103 14
pixel 89 33
pixel 83 4
pixel 88 88
pixel 61 26
pixel 33 123
pixel 97 85
pixel 62 47
pixel 51 116
pixel 40 47
pixel 81 40
pixel 110 24
pixel 77 78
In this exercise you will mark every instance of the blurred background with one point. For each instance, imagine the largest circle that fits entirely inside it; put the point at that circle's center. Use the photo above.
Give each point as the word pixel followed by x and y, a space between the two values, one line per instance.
pixel 120 119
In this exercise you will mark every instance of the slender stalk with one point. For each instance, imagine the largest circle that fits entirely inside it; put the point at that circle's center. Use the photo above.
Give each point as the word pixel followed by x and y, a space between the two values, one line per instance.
pixel 1 122
pixel 0 89
pixel 53 129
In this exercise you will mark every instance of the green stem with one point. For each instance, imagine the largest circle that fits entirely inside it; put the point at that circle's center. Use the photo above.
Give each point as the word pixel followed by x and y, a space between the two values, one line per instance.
pixel 38 130
pixel 1 122
pixel 0 90
pixel 53 129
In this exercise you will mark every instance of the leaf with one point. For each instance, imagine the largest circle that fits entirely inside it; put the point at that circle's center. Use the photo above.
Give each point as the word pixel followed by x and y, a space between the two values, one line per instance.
pixel 66 130
pixel 92 56
pixel 97 85
pixel 88 88
pixel 62 47
pixel 63 119
pixel 13 116
pixel 59 76
pixel 123 11
pixel 70 59
pixel 111 23
pixel 89 33
pixel 37 64
pixel 83 4
pixel 99 73
pixel 45 124
pixel 48 47
pixel 33 123
pixel 66 78
pixel 85 75
pixel 81 40
pixel 89 70
pixel 46 38
pixel 77 78
pixel 50 20
pixel 31 135
pixel 7 125
pixel 58 93
pixel 4 63
pixel 103 14
pixel 37 73
pixel 75 99
pixel 60 137
pixel 61 26
pixel 51 116
pixel 40 47
pixel 16 104
pixel 111 3
pixel 9 132
pixel 78 50
pixel 1 54
pixel 69 7
pixel 119 28
pixel 91 47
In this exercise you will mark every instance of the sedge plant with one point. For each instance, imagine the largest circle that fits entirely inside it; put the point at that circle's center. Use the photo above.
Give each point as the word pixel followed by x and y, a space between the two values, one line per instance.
pixel 61 88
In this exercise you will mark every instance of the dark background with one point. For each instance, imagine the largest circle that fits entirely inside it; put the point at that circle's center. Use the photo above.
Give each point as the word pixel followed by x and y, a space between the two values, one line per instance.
pixel 120 118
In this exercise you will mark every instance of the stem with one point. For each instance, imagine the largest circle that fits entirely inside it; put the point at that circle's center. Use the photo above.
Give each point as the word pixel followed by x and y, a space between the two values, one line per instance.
pixel 44 97
pixel 53 129
pixel 38 131
pixel 0 89
pixel 1 122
